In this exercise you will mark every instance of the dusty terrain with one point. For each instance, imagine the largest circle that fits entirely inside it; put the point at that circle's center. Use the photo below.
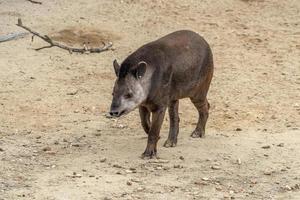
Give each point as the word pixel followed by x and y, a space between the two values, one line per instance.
pixel 57 144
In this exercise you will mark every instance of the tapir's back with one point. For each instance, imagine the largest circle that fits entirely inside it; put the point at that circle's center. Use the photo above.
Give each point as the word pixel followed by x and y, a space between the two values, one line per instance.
pixel 191 60
pixel 185 51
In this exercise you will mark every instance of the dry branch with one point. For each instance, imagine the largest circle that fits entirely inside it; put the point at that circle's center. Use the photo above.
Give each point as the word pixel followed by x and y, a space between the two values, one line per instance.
pixel 52 43
pixel 35 2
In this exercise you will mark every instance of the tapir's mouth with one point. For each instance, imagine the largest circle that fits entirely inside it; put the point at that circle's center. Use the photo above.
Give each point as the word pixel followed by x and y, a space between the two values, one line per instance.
pixel 115 114
pixel 122 113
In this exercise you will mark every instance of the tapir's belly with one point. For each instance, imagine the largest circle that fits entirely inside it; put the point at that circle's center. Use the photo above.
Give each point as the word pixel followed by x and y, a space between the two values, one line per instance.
pixel 190 82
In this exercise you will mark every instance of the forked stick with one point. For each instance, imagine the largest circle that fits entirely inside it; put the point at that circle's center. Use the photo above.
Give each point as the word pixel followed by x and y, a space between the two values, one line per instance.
pixel 52 43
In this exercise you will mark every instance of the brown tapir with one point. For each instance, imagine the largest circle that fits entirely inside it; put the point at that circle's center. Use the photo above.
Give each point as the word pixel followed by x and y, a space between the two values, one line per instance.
pixel 156 76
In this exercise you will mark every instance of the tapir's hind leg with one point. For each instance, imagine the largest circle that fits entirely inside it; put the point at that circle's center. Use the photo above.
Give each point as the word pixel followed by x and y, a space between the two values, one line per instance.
pixel 174 124
pixel 202 107
pixel 145 118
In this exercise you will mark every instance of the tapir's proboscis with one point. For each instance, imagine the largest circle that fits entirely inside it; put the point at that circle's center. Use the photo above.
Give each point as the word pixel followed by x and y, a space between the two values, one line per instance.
pixel 156 76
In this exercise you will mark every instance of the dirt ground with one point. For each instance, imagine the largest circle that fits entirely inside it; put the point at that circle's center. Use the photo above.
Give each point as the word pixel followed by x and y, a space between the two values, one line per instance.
pixel 57 144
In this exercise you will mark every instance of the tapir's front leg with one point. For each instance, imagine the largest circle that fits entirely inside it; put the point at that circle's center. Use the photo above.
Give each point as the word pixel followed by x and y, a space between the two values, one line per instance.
pixel 145 118
pixel 153 135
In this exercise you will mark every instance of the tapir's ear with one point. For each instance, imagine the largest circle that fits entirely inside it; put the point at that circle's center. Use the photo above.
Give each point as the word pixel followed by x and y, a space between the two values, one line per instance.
pixel 141 69
pixel 116 67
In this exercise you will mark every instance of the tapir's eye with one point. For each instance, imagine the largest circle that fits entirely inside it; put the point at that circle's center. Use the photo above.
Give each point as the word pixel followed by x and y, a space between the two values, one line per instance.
pixel 128 95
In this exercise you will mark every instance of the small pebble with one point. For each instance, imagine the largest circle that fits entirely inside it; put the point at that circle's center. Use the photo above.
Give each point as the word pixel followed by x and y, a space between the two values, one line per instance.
pixel 280 145
pixel 75 144
pixel 181 158
pixel 215 167
pixel 266 147
pixel 287 187
pixel 267 172
pixel 72 92
pixel 128 183
pixel 117 166
pixel 102 160
pixel 46 149
pixel 178 166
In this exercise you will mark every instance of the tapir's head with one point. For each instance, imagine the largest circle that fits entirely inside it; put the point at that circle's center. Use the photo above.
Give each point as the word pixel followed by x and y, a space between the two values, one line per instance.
pixel 130 88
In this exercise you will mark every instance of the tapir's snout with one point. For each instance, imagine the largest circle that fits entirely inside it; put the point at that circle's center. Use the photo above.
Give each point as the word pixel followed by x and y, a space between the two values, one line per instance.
pixel 114 113
pixel 115 110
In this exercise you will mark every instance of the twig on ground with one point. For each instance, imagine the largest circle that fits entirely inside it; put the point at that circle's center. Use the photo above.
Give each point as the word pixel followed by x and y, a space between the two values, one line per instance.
pixel 52 43
pixel 35 2
pixel 12 36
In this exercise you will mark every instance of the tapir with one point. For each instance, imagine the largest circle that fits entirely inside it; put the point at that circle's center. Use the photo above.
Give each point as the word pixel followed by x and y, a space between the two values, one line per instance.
pixel 158 74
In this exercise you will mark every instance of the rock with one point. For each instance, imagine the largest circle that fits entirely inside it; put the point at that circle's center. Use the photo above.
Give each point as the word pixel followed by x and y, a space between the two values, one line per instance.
pixel 280 145
pixel 178 166
pixel 296 187
pixel 1 149
pixel 215 167
pixel 238 129
pixel 219 188
pixel 181 158
pixel 117 166
pixel 38 137
pixel 288 188
pixel 140 189
pixel 129 183
pixel 75 145
pixel 75 175
pixel 266 147
pixel 132 169
pixel 200 183
pixel 135 180
pixel 102 160
pixel 120 126
pixel 239 162
pixel 205 179
pixel 46 149
pixel 268 172
pixel 73 92
pixel 107 115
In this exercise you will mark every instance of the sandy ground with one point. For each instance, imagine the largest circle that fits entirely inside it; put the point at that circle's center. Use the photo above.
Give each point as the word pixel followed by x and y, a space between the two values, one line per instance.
pixel 57 144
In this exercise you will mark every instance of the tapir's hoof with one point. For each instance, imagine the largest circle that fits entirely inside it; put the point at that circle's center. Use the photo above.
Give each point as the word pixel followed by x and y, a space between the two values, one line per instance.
pixel 149 154
pixel 170 143
pixel 197 134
